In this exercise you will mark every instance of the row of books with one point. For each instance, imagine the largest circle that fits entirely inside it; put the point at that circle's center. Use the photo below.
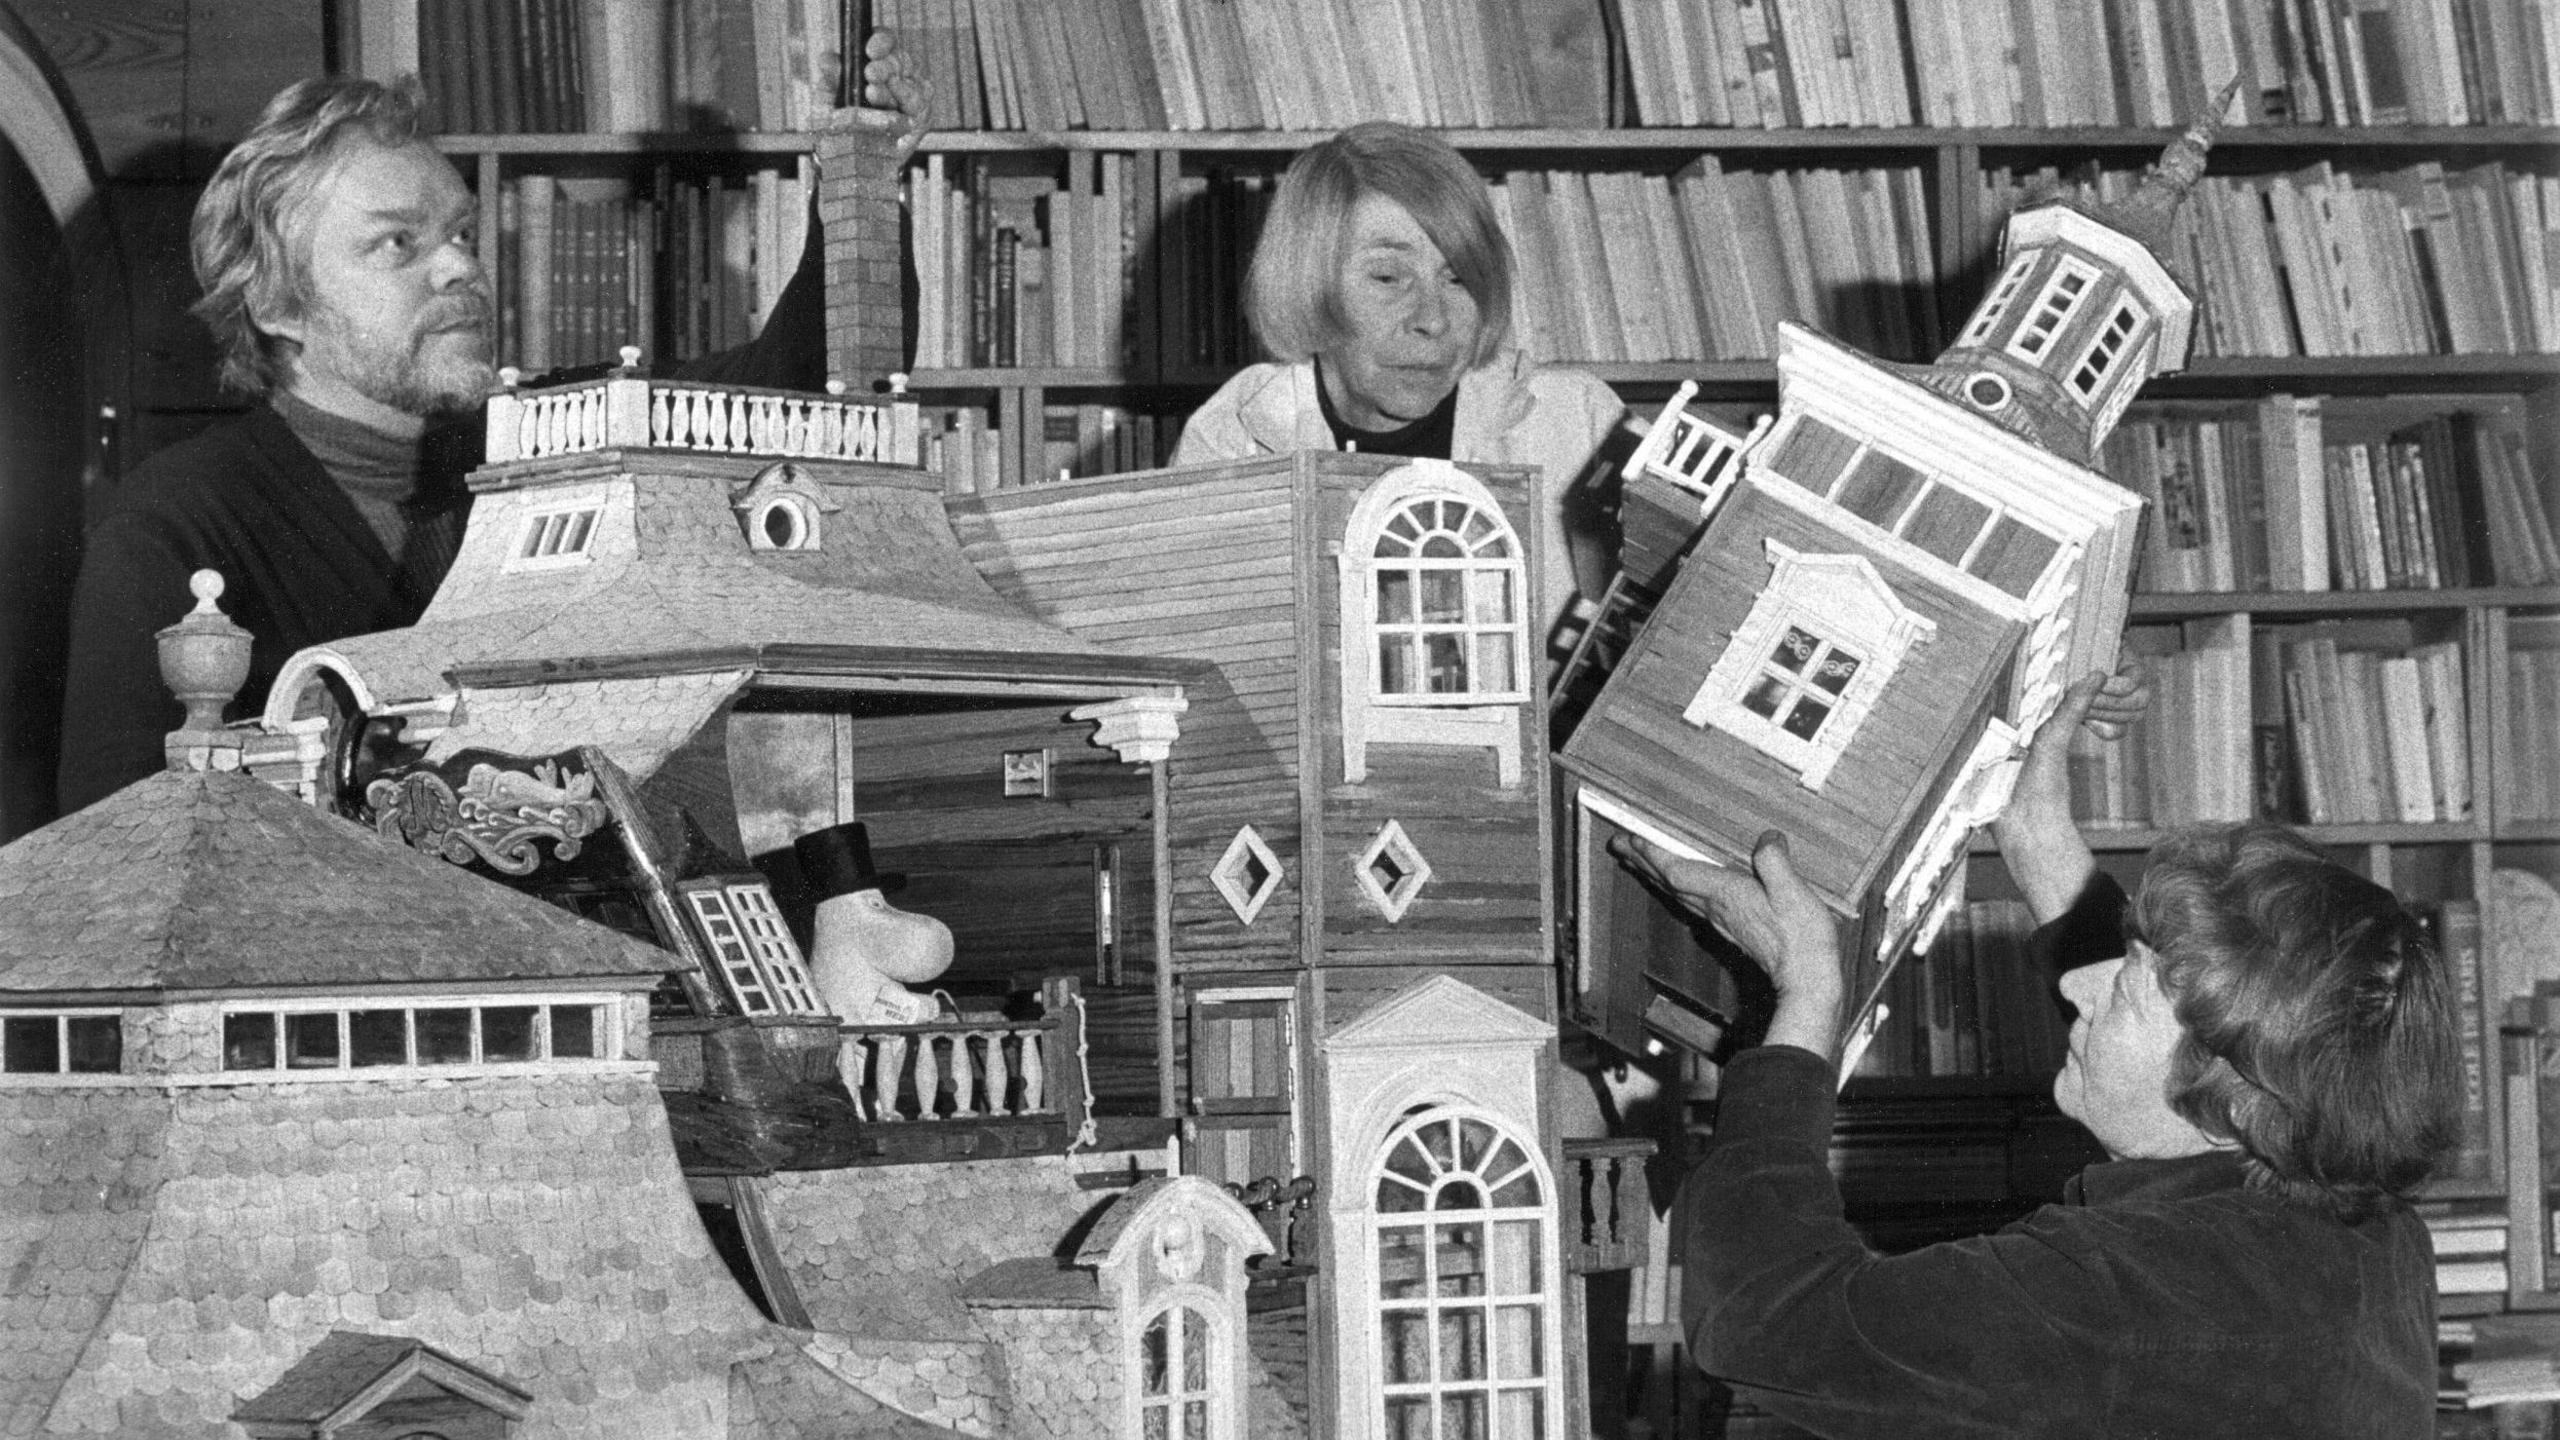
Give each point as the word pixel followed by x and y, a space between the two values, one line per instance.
pixel 1703 263
pixel 1791 63
pixel 2470 1247
pixel 2416 260
pixel 1024 268
pixel 2532 742
pixel 1317 64
pixel 1974 1004
pixel 2301 493
pixel 971 449
pixel 675 265
pixel 2327 722
pixel 569 66
pixel 1246 64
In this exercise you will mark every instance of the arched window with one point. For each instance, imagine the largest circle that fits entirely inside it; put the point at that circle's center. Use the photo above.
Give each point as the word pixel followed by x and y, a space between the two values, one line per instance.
pixel 1435 603
pixel 1176 1360
pixel 1464 1242
pixel 1446 579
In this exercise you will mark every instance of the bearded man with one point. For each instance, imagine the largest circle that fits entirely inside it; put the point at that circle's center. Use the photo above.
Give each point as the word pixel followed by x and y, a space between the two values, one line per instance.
pixel 337 253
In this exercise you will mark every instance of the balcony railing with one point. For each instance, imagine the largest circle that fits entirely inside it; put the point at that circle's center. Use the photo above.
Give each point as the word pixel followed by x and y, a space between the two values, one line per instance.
pixel 629 411
pixel 1609 1214
pixel 970 1070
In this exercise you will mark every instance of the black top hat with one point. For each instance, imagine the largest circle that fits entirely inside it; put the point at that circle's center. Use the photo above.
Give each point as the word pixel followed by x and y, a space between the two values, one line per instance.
pixel 837 861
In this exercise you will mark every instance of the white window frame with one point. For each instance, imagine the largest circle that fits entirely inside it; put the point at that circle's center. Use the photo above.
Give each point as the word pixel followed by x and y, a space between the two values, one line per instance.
pixel 1165 1308
pixel 608 1038
pixel 61 1019
pixel 2102 358
pixel 556 537
pixel 1547 1298
pixel 2054 309
pixel 1987 319
pixel 1843 600
pixel 1474 717
pixel 751 946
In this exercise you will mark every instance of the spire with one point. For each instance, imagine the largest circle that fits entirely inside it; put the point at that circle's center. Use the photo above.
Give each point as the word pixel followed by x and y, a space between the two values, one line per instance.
pixel 2146 214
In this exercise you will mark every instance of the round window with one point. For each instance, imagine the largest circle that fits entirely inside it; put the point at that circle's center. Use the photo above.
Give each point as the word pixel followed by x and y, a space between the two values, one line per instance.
pixel 1987 391
pixel 783 524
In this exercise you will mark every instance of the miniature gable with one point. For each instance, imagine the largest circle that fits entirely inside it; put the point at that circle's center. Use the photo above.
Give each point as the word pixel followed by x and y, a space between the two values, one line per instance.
pixel 1170 1257
pixel 1435 639
pixel 354 1386
pixel 1804 668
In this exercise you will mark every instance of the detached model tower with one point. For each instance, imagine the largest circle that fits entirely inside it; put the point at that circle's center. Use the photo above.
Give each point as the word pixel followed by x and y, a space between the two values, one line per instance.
pixel 1899 578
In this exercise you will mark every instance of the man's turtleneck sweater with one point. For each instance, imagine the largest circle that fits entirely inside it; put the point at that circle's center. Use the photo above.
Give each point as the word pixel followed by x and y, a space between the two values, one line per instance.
pixel 378 471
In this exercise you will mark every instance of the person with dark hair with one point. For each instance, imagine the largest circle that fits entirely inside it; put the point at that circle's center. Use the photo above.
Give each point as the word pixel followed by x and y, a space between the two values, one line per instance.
pixel 1382 281
pixel 336 249
pixel 2265 1047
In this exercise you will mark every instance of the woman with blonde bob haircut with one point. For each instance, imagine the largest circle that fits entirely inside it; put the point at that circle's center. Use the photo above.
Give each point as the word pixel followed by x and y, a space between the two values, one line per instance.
pixel 1383 283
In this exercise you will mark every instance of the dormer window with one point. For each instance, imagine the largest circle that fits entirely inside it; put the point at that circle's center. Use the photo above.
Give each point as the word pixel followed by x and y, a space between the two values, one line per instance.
pixel 1987 319
pixel 2065 291
pixel 1807 665
pixel 1435 634
pixel 555 536
pixel 783 508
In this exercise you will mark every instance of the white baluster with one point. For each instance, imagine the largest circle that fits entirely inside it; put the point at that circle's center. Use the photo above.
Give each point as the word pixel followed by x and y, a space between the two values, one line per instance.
pixel 700 438
pixel 928 1076
pixel 888 1072
pixel 831 429
pixel 658 429
pixel 997 1073
pixel 529 428
pixel 1035 1074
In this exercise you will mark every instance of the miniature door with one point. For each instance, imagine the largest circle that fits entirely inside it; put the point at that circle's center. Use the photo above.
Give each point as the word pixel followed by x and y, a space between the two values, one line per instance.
pixel 1244 1087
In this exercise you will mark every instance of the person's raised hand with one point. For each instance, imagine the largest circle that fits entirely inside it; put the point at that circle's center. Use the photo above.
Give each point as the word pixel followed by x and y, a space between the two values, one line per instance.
pixel 893 80
pixel 1772 915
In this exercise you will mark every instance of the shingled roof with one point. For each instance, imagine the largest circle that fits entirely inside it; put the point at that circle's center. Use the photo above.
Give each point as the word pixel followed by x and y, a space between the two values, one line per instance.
pixel 195 881
pixel 669 581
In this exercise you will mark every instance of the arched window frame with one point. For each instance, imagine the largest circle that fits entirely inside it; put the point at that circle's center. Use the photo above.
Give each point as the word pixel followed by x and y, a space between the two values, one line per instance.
pixel 1479 715
pixel 1515 1404
pixel 1165 1308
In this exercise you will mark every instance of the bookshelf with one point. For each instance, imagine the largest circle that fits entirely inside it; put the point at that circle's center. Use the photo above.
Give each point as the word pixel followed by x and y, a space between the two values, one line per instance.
pixel 1168 208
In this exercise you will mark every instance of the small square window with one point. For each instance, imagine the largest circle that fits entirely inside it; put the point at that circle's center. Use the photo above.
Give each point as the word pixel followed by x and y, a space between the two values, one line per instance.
pixel 249 1041
pixel 575 1035
pixel 31 1044
pixel 444 1037
pixel 311 1041
pixel 378 1037
pixel 97 1044
pixel 506 1033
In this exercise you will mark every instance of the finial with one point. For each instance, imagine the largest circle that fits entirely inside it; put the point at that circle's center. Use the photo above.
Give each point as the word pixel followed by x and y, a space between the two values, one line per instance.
pixel 509 376
pixel 898 382
pixel 836 388
pixel 204 658
pixel 630 360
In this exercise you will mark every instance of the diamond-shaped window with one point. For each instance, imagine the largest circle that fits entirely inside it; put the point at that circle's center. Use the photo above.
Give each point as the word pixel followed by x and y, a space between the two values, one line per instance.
pixel 1391 871
pixel 1248 875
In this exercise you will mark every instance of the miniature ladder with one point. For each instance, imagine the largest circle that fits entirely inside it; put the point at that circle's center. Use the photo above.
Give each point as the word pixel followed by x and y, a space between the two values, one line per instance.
pixel 1622 611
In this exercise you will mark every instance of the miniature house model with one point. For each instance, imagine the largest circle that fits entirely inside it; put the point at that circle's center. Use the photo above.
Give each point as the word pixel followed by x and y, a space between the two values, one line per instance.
pixel 1230 785
pixel 1898 578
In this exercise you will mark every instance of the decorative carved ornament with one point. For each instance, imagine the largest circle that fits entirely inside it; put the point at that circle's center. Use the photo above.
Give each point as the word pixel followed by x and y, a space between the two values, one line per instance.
pixel 498 818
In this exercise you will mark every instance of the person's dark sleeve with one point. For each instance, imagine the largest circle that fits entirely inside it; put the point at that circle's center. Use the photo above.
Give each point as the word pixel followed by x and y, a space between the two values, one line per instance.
pixel 116 711
pixel 1780 1296
pixel 790 352
pixel 2090 931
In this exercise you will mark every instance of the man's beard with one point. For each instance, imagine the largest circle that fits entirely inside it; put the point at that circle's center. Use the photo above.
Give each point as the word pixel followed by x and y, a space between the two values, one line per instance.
pixel 439 370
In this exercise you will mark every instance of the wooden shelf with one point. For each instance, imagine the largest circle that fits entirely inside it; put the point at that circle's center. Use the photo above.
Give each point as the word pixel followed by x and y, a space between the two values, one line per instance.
pixel 2166 606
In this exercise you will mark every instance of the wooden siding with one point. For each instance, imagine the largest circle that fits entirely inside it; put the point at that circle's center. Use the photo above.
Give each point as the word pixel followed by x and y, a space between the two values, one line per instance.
pixel 1714 787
